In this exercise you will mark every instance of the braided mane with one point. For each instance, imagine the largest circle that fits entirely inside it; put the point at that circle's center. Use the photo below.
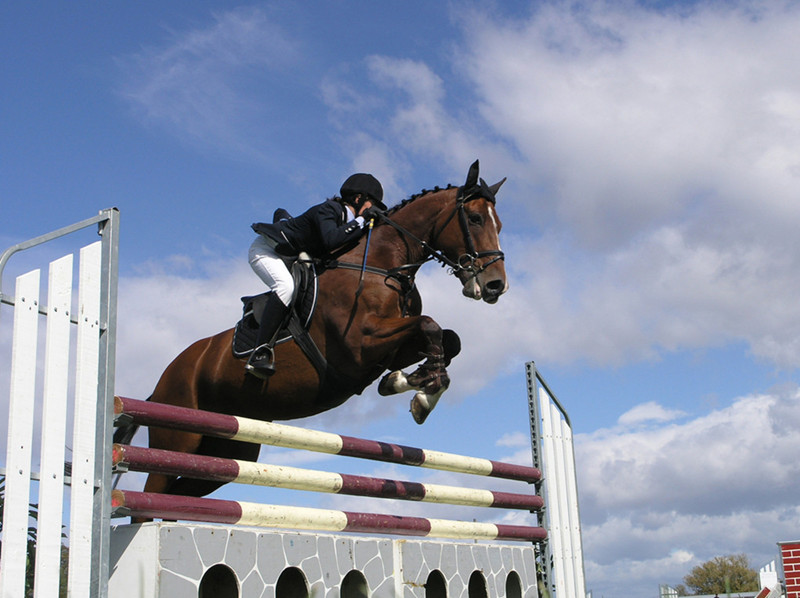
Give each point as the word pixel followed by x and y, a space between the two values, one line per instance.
pixel 422 193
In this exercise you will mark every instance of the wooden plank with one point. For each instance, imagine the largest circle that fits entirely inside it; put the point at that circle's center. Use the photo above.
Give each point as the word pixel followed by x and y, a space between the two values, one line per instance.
pixel 20 435
pixel 54 425
pixel 84 430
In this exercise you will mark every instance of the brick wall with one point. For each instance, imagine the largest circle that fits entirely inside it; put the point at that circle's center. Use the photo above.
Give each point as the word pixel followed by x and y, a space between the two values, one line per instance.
pixel 790 555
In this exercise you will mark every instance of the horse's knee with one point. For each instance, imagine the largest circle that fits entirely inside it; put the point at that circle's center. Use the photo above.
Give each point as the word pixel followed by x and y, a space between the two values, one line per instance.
pixel 451 344
pixel 430 329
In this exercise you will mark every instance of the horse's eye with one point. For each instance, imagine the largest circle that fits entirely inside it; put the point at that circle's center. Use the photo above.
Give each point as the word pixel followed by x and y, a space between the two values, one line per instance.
pixel 476 219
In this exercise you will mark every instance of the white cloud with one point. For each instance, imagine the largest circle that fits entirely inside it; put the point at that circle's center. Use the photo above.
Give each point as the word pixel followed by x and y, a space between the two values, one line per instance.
pixel 631 114
pixel 648 412
pixel 692 465
pixel 722 483
pixel 515 439
pixel 629 555
pixel 161 314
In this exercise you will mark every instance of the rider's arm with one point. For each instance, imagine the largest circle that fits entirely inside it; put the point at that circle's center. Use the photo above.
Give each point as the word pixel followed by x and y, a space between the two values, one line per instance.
pixel 334 230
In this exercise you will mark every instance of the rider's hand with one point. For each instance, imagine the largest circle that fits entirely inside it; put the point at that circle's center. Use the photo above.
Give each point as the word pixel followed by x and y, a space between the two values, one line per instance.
pixel 372 213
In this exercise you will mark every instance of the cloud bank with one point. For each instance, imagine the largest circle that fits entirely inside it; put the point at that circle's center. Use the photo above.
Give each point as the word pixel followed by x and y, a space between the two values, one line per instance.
pixel 651 208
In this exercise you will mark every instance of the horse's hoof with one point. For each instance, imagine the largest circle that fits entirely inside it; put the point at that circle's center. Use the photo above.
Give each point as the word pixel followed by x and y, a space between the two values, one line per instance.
pixel 422 404
pixel 418 411
pixel 393 383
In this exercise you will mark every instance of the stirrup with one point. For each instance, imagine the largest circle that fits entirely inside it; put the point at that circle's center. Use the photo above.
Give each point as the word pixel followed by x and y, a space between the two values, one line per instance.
pixel 261 363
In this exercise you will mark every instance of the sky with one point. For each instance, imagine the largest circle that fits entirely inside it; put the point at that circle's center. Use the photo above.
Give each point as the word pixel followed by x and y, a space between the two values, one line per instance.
pixel 652 151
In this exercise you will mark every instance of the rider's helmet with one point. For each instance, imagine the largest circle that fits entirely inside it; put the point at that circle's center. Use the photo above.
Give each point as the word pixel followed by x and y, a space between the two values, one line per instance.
pixel 365 185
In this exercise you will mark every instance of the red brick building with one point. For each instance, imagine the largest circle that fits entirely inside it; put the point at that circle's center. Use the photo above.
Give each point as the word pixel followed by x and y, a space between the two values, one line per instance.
pixel 790 556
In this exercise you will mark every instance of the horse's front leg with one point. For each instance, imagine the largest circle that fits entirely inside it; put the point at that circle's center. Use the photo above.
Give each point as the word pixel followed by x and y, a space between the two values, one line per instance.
pixel 430 379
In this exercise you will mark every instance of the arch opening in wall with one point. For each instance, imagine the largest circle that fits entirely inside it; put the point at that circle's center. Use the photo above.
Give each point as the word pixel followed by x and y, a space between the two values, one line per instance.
pixel 354 585
pixel 291 583
pixel 218 582
pixel 436 585
pixel 477 586
pixel 513 585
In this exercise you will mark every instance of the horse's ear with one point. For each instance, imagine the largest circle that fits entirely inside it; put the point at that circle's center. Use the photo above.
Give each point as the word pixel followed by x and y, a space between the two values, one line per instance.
pixel 472 175
pixel 496 187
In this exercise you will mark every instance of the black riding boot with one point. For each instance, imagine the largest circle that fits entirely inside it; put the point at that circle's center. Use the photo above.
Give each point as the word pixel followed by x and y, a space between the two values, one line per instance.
pixel 262 360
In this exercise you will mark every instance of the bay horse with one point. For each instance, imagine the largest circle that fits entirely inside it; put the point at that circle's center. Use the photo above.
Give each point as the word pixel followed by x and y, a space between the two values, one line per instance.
pixel 368 319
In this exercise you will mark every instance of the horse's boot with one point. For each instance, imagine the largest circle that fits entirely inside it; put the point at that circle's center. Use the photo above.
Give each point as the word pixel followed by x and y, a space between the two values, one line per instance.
pixel 262 360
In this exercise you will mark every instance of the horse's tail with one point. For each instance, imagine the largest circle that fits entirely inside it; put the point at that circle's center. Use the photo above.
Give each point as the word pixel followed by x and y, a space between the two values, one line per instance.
pixel 125 433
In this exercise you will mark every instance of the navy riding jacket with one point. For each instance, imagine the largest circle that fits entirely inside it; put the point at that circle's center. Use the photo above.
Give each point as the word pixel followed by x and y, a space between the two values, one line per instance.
pixel 318 231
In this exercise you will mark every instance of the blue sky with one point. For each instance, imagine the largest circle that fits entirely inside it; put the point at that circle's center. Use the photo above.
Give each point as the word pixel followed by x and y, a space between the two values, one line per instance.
pixel 650 219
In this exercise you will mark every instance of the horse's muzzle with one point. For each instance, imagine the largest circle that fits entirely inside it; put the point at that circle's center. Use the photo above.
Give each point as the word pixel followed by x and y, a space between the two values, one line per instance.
pixel 489 291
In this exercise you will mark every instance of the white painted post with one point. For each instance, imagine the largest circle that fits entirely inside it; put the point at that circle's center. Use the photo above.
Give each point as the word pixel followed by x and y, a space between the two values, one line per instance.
pixel 91 377
pixel 553 453
pixel 555 501
pixel 20 436
pixel 573 515
pixel 54 417
pixel 85 428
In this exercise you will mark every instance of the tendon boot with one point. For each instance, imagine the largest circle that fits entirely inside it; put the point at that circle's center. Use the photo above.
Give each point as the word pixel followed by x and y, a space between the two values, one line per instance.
pixel 262 360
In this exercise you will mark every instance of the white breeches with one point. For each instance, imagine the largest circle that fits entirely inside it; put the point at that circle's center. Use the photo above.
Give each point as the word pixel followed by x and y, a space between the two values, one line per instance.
pixel 270 268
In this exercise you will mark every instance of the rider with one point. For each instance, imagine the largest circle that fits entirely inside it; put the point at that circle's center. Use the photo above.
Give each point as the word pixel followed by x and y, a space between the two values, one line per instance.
pixel 318 231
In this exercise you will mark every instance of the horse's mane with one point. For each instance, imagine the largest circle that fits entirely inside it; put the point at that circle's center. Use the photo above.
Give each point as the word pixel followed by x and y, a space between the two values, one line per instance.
pixel 422 193
pixel 403 203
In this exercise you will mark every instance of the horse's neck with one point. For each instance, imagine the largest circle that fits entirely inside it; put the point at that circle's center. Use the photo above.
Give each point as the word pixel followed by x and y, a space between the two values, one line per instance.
pixel 420 219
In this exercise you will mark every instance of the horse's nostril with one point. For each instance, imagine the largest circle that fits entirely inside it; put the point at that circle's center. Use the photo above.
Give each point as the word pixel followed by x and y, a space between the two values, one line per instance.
pixel 496 285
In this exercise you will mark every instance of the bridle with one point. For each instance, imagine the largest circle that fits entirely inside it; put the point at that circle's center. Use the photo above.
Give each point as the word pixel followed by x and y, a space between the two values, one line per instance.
pixel 467 262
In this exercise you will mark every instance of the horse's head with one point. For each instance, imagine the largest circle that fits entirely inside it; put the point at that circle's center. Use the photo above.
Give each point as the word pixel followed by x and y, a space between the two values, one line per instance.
pixel 469 237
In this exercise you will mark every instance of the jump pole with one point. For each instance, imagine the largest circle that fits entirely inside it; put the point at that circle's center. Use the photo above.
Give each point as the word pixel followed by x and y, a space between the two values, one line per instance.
pixel 269 433
pixel 147 504
pixel 132 458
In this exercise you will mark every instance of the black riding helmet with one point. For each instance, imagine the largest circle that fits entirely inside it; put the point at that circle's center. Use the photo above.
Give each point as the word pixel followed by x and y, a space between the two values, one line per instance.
pixel 365 185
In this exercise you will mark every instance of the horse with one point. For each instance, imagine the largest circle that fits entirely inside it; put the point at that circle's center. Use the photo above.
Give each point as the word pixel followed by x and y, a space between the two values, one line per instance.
pixel 368 319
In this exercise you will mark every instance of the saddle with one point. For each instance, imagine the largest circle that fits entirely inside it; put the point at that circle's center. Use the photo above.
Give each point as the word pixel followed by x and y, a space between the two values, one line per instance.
pixel 297 321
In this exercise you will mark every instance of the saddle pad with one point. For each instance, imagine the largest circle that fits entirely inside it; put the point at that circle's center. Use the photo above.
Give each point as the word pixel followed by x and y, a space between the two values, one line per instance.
pixel 304 302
